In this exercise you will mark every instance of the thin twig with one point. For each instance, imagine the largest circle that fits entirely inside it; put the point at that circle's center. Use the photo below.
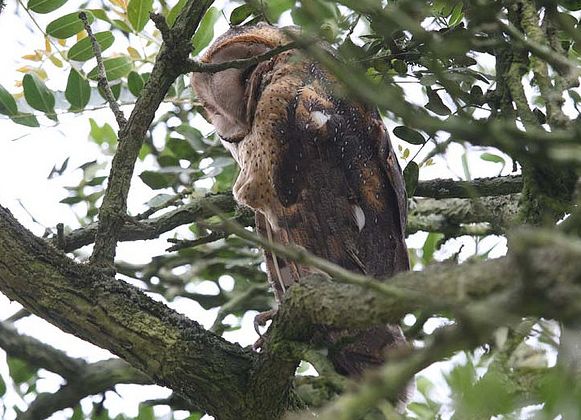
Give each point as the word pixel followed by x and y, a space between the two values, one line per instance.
pixel 194 66
pixel 102 75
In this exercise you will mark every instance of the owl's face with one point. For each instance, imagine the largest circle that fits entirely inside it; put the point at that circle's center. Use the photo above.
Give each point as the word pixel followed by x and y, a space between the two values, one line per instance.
pixel 226 96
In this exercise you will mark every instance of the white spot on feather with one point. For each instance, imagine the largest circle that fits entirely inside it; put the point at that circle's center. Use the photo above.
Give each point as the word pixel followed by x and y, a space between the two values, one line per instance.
pixel 359 216
pixel 319 119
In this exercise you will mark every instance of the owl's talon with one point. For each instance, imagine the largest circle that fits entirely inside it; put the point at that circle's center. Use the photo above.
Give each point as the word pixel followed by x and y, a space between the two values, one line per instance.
pixel 261 319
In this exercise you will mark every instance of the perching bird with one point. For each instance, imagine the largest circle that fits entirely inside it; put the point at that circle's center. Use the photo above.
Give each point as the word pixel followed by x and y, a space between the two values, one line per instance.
pixel 318 169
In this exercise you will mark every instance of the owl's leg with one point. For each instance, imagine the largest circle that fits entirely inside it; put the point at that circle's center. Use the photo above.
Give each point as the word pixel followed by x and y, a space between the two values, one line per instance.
pixel 260 320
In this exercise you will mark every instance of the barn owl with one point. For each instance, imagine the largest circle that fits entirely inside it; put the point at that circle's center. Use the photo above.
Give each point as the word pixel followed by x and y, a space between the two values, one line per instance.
pixel 316 166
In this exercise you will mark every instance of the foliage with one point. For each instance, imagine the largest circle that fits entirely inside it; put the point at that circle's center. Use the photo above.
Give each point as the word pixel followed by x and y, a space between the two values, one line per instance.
pixel 455 83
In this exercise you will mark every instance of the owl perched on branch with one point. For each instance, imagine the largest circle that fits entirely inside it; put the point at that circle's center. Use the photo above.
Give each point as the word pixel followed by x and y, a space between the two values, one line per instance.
pixel 316 166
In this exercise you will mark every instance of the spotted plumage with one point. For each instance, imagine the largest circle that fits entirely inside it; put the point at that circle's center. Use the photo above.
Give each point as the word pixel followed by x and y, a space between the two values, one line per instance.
pixel 317 167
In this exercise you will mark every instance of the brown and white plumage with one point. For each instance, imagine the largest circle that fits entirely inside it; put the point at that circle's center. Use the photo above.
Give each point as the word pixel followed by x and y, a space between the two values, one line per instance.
pixel 317 167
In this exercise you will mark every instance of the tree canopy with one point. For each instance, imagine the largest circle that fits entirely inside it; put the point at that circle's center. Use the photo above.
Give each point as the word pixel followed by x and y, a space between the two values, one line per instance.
pixel 482 99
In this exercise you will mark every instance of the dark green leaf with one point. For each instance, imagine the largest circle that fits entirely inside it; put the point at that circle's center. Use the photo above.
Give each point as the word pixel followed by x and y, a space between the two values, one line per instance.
pixel 159 200
pixel 115 68
pixel 83 50
pixel 115 89
pixel 26 119
pixel 134 83
pixel 7 103
pixel 399 66
pixel 20 371
pixel 156 180
pixel 98 180
pixel 78 91
pixel 410 175
pixel 174 12
pixel 138 13
pixel 205 31
pixel 240 14
pixel 119 24
pixel 573 5
pixel 456 15
pixel 37 95
pixel 489 157
pixel 409 135
pixel 435 103
pixel 541 117
pixel 45 6
pixel 67 25
pixel 71 200
pixel 182 149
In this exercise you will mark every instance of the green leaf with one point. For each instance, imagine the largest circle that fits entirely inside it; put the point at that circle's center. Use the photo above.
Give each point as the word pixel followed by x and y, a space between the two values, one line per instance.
pixel 20 371
pixel 37 95
pixel 240 14
pixel 410 175
pixel 67 25
pixel 83 50
pixel 104 134
pixel 145 412
pixel 156 180
pixel 456 16
pixel 430 246
pixel 174 12
pixel 26 119
pixel 115 89
pixel 138 13
pixel 45 6
pixel 435 103
pixel 489 157
pixel 182 149
pixel 275 8
pixel 2 386
pixel 115 68
pixel 119 24
pixel 7 103
pixel 573 5
pixel 134 83
pixel 78 413
pixel 78 91
pixel 205 31
pixel 409 135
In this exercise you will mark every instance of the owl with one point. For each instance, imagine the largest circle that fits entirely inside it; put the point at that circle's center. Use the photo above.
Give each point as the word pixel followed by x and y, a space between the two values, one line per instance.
pixel 317 167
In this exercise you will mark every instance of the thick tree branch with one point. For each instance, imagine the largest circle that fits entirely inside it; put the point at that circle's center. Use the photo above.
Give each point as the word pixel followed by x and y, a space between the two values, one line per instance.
pixel 113 211
pixel 479 187
pixel 428 215
pixel 82 300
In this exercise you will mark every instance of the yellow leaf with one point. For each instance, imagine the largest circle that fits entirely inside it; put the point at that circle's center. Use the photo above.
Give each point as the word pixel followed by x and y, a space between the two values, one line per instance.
pixel 62 42
pixel 55 61
pixel 32 57
pixel 24 69
pixel 81 35
pixel 120 3
pixel 40 73
pixel 47 46
pixel 133 53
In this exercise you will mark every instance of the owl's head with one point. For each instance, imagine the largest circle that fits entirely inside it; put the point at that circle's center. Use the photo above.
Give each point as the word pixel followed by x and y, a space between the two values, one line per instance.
pixel 227 95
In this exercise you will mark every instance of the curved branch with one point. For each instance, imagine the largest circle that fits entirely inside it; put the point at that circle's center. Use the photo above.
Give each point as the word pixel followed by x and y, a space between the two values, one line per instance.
pixel 93 379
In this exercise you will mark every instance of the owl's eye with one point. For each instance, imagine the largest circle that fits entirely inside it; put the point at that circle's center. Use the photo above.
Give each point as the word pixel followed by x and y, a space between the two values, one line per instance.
pixel 246 73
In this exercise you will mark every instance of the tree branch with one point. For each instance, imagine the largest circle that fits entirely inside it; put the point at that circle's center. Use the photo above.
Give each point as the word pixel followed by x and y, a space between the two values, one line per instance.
pixel 113 211
pixel 479 187
pixel 427 215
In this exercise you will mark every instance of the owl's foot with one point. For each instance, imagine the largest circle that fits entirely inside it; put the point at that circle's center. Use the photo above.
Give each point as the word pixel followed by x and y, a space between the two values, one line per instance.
pixel 260 320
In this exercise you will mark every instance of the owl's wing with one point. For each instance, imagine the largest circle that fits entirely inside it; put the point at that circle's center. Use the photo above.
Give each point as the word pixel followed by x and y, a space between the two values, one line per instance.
pixel 338 181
